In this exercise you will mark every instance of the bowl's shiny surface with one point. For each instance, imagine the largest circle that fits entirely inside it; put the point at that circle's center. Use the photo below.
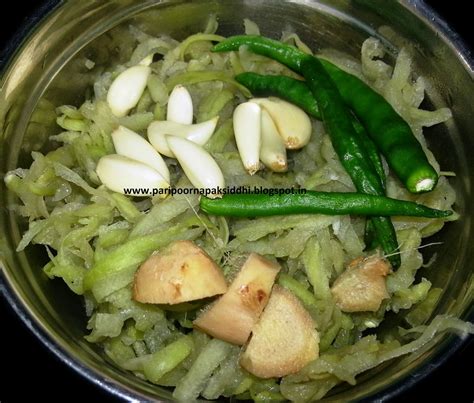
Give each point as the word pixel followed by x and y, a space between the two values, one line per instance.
pixel 49 65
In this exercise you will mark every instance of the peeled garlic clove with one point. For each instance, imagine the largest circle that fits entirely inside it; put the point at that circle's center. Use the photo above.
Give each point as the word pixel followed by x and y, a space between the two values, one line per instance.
pixel 198 165
pixel 272 151
pixel 127 88
pixel 292 123
pixel 247 124
pixel 147 60
pixel 198 133
pixel 130 144
pixel 124 175
pixel 180 106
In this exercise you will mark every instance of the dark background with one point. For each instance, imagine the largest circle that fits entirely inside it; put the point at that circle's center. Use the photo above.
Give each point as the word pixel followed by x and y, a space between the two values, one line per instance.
pixel 29 371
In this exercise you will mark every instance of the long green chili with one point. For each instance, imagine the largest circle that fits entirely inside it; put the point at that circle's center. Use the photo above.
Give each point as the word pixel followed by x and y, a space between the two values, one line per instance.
pixel 311 202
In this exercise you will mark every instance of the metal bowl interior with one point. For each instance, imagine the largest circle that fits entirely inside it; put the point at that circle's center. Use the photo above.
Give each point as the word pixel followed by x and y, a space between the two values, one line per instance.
pixel 49 67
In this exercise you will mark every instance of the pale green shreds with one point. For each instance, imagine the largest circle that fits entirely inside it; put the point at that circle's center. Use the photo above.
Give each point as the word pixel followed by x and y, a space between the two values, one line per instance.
pixel 97 239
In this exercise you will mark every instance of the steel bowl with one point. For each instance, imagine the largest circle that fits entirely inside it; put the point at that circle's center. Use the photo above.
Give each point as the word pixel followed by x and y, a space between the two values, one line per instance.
pixel 47 65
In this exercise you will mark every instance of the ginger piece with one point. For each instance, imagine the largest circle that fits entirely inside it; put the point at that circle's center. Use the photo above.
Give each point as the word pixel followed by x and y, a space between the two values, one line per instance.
pixel 361 287
pixel 284 339
pixel 178 273
pixel 232 316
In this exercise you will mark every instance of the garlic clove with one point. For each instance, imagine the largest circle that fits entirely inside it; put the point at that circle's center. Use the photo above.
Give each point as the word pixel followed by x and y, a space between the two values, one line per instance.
pixel 198 165
pixel 198 133
pixel 124 175
pixel 147 60
pixel 292 123
pixel 130 144
pixel 272 151
pixel 127 88
pixel 180 106
pixel 247 126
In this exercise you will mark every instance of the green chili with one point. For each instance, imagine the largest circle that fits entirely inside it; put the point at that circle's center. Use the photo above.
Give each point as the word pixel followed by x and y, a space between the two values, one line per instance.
pixel 283 53
pixel 311 202
pixel 387 129
pixel 371 238
pixel 370 149
pixel 337 120
pixel 390 132
pixel 291 89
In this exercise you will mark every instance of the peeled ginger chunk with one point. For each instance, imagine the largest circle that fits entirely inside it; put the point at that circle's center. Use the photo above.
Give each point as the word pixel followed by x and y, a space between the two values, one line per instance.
pixel 284 340
pixel 232 316
pixel 178 273
pixel 362 287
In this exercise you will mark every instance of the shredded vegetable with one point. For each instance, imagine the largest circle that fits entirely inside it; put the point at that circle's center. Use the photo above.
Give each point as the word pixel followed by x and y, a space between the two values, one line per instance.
pixel 96 239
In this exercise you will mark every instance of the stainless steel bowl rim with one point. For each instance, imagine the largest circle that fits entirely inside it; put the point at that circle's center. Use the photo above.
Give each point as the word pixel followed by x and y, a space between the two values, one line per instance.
pixel 450 346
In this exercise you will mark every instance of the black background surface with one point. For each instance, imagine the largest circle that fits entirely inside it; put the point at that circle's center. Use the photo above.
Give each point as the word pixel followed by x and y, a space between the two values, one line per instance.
pixel 30 372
